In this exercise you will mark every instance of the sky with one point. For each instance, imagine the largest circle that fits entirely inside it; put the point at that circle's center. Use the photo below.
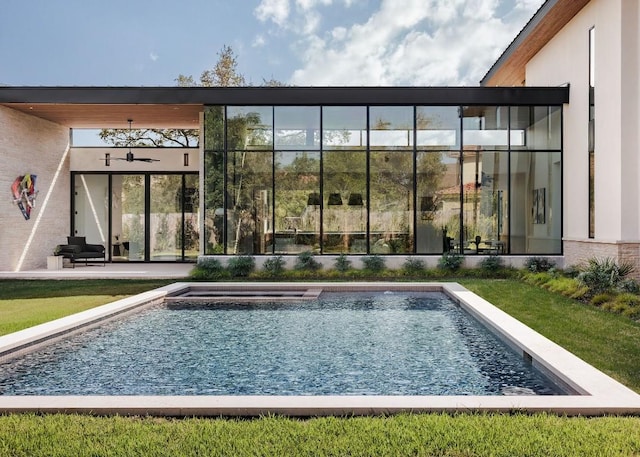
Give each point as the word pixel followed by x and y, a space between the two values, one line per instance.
pixel 297 42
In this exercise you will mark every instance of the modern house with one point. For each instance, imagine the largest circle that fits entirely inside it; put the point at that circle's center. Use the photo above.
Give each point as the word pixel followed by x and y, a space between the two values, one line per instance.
pixel 513 167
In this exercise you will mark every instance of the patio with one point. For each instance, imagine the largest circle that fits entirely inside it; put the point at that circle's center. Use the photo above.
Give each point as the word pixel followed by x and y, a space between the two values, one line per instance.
pixel 108 271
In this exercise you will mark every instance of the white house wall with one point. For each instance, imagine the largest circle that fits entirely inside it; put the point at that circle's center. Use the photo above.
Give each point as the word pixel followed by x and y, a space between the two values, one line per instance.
pixel 32 145
pixel 565 60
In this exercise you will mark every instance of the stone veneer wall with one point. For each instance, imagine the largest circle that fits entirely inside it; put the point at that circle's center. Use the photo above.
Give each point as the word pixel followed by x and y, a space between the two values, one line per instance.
pixel 579 251
pixel 32 145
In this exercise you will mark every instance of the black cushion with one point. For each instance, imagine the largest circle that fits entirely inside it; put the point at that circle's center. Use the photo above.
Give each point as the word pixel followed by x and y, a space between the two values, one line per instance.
pixel 77 240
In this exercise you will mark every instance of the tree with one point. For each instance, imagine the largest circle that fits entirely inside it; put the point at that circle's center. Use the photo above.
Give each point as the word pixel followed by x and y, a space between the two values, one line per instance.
pixel 223 74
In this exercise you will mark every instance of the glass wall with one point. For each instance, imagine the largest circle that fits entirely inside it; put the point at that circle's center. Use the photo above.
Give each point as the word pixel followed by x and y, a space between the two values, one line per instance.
pixel 437 179
pixel 91 208
pixel 383 179
pixel 128 221
pixel 139 216
pixel 344 178
pixel 485 185
pixel 249 180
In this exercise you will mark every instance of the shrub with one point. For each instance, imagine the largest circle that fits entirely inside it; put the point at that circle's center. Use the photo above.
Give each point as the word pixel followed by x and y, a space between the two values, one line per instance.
pixel 492 263
pixel 568 287
pixel 241 266
pixel 537 264
pixel 603 275
pixel 450 261
pixel 571 271
pixel 307 262
pixel 373 263
pixel 274 266
pixel 600 299
pixel 413 266
pixel 343 264
pixel 208 268
pixel 629 285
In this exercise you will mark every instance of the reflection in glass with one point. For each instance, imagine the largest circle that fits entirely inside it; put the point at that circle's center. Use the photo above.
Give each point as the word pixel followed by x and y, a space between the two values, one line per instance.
pixel 486 127
pixel 484 202
pixel 91 208
pixel 297 224
pixel 214 207
pixel 249 127
pixel 345 189
pixel 297 127
pixel 391 126
pixel 438 186
pixel 128 219
pixel 249 184
pixel 344 127
pixel 438 127
pixel 214 128
pixel 535 127
pixel 391 214
pixel 165 223
pixel 535 203
pixel 191 207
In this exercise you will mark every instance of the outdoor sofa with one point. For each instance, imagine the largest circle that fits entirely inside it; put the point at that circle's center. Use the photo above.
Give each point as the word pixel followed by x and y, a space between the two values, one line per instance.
pixel 77 249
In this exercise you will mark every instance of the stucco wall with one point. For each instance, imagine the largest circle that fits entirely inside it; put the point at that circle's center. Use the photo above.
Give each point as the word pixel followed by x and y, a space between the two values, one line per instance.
pixel 617 177
pixel 32 145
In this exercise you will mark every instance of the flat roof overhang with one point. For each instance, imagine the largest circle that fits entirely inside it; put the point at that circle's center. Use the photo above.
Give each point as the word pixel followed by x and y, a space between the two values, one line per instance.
pixel 179 107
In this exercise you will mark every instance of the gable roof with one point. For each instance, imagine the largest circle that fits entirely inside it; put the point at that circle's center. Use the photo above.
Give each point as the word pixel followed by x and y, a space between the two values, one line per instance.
pixel 551 17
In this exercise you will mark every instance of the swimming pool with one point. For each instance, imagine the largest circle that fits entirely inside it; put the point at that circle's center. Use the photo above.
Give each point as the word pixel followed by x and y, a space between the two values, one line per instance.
pixel 339 343
pixel 590 391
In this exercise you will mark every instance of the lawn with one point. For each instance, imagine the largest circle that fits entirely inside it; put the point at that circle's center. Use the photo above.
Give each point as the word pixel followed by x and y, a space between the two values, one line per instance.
pixel 609 342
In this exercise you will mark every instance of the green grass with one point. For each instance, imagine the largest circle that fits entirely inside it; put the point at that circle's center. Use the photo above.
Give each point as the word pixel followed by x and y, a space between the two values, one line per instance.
pixel 610 342
pixel 401 435
pixel 24 304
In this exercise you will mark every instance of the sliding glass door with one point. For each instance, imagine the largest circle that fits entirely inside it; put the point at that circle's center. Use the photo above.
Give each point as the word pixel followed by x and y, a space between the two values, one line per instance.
pixel 139 216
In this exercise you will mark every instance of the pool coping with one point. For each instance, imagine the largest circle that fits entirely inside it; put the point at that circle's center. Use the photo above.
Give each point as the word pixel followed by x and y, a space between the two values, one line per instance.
pixel 596 393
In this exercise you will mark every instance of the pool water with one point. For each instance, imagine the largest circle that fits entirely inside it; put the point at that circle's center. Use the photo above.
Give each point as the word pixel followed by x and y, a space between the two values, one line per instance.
pixel 339 344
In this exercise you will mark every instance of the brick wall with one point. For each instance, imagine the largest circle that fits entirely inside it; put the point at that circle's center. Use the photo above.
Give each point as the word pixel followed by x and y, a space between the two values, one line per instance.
pixel 577 252
pixel 32 145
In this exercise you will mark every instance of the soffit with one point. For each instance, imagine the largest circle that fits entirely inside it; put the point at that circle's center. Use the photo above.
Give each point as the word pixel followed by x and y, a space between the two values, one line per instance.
pixel 510 68
pixel 98 116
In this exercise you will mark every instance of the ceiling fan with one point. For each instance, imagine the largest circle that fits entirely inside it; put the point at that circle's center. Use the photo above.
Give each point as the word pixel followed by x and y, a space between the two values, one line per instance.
pixel 129 157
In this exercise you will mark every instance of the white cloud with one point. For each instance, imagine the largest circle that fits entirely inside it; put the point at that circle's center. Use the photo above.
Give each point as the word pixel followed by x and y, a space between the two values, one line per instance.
pixel 153 56
pixel 259 41
pixel 273 10
pixel 413 42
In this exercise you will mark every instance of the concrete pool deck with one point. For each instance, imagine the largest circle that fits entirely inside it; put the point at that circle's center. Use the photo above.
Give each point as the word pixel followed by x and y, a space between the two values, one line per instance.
pixel 594 393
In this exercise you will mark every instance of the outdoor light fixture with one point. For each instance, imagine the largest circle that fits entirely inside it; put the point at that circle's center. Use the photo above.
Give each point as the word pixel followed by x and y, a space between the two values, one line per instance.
pixel 107 159
pixel 355 200
pixel 335 199
pixel 314 199
pixel 185 159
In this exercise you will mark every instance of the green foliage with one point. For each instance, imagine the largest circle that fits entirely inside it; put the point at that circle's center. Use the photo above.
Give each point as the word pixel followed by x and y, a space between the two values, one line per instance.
pixel 492 263
pixel 373 263
pixel 413 266
pixel 343 264
pixel 306 262
pixel 274 266
pixel 536 264
pixel 600 299
pixel 568 287
pixel 450 261
pixel 241 266
pixel 603 275
pixel 208 268
pixel 629 285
